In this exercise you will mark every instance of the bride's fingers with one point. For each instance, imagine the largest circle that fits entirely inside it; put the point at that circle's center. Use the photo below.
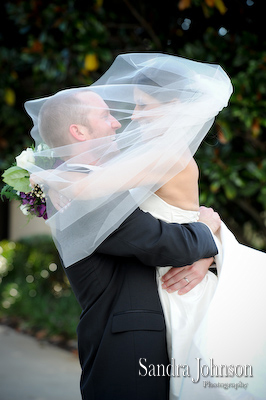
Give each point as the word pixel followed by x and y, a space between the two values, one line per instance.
pixel 64 203
pixel 59 201
pixel 59 206
pixel 35 179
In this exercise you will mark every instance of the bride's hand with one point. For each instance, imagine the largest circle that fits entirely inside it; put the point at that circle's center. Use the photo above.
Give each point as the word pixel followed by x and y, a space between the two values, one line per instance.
pixel 186 278
pixel 211 218
pixel 33 180
pixel 59 202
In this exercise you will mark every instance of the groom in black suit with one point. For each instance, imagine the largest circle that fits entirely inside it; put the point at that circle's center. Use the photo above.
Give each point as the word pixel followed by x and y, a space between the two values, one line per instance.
pixel 122 322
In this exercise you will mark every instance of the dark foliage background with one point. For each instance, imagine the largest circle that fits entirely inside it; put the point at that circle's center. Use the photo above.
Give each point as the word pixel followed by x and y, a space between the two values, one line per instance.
pixel 35 295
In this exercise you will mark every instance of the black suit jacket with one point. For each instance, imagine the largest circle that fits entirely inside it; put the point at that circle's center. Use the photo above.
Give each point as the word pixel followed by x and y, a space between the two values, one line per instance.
pixel 122 320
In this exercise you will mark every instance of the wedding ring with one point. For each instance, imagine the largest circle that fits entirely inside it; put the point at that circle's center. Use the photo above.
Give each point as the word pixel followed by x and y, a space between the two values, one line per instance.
pixel 186 279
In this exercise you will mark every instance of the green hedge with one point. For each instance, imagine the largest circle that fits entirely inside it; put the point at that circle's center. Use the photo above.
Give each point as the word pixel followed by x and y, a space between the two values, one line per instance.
pixel 34 290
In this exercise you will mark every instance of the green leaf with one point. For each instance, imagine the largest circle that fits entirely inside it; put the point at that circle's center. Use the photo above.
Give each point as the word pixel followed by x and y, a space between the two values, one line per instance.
pixel 215 186
pixel 18 178
pixel 230 191
pixel 9 193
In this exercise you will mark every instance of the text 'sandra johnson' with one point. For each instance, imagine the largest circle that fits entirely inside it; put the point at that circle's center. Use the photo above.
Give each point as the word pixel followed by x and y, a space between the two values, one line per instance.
pixel 203 370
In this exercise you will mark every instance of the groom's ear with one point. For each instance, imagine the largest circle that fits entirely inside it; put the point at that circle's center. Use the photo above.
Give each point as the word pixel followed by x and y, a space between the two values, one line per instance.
pixel 79 132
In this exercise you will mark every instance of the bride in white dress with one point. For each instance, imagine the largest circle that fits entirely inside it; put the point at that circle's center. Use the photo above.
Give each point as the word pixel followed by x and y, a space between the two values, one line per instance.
pixel 178 201
pixel 218 321
pixel 221 325
pixel 183 313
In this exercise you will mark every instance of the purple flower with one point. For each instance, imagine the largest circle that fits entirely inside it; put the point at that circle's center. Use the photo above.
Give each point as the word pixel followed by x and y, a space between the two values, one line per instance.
pixel 41 209
pixel 35 199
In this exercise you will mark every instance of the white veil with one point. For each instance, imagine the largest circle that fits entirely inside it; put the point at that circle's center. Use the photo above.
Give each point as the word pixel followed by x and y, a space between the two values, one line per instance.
pixel 108 175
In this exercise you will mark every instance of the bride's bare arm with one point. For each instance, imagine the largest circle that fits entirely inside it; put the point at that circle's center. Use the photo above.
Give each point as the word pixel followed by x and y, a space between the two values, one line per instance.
pixel 108 179
pixel 93 185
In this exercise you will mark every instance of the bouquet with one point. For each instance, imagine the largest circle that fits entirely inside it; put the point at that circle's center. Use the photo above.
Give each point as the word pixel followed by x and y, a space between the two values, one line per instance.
pixel 17 180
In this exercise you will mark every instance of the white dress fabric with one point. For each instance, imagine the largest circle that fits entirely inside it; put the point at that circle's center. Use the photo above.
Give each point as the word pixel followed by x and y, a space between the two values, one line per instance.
pixel 219 322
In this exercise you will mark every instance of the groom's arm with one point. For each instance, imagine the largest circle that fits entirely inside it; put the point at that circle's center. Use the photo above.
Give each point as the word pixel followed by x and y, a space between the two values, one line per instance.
pixel 157 243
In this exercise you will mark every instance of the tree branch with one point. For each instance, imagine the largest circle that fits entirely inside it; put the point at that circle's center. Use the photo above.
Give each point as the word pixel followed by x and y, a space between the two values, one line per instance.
pixel 144 24
pixel 253 213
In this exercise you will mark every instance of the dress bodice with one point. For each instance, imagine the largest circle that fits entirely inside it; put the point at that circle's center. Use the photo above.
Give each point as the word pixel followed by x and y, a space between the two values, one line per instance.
pixel 166 212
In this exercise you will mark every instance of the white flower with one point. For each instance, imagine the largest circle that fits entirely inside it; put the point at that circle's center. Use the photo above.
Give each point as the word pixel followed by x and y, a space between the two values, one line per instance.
pixel 27 156
pixel 25 209
pixel 42 147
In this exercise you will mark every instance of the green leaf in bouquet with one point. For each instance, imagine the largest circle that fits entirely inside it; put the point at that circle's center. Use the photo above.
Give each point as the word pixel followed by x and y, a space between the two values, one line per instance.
pixel 18 178
pixel 9 193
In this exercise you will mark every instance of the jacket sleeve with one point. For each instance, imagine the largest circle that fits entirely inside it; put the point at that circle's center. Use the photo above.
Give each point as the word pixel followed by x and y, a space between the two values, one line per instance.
pixel 157 243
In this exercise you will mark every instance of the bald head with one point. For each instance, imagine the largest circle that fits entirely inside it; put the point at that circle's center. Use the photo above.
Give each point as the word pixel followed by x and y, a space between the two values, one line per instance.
pixel 61 111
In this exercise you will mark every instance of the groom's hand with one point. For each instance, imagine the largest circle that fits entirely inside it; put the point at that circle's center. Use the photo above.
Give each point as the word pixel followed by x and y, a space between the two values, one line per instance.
pixel 186 278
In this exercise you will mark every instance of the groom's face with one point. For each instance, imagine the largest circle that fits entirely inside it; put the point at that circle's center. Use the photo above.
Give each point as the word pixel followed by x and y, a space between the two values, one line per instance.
pixel 100 121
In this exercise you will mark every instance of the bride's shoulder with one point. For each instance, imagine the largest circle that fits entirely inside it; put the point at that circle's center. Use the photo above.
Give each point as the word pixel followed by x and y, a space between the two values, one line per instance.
pixel 192 167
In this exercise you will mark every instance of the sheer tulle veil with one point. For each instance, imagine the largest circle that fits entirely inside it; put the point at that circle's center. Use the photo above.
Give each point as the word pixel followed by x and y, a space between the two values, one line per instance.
pixel 163 107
